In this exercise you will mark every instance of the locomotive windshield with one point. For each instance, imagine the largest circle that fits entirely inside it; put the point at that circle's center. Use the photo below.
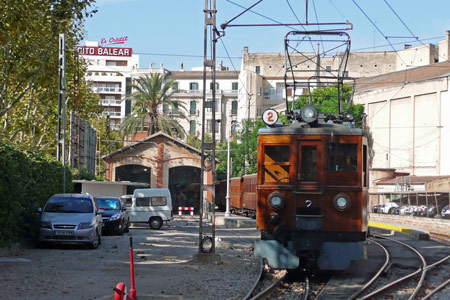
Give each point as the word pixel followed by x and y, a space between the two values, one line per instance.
pixel 342 157
pixel 276 163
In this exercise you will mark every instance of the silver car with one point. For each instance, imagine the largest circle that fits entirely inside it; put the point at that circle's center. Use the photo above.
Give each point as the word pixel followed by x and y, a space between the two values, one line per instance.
pixel 71 218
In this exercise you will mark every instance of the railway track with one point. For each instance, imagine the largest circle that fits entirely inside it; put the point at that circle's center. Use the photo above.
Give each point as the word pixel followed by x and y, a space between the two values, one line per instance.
pixel 413 287
pixel 281 285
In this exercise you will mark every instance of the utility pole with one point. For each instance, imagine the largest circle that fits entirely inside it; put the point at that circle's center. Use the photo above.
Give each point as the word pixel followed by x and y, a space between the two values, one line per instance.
pixel 61 149
pixel 206 251
pixel 227 197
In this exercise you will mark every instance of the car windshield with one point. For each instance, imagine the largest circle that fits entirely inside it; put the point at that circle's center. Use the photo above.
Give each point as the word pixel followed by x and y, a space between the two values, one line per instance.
pixel 108 204
pixel 69 205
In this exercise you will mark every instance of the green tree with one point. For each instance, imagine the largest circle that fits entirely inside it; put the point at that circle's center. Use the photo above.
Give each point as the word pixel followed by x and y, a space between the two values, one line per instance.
pixel 29 68
pixel 151 96
pixel 326 101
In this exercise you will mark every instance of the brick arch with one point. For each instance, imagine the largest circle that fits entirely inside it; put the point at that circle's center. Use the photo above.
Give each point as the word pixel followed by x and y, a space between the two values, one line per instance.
pixel 133 173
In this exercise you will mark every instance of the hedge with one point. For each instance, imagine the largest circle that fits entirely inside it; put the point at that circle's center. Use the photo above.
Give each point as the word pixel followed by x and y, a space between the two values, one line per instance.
pixel 27 180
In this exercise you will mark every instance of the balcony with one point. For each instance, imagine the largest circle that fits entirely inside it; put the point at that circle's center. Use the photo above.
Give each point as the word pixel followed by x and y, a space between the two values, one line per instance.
pixel 115 114
pixel 107 90
pixel 110 102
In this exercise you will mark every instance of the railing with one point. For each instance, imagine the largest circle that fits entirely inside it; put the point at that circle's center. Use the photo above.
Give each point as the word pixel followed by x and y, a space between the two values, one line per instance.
pixel 111 113
pixel 110 102
pixel 107 89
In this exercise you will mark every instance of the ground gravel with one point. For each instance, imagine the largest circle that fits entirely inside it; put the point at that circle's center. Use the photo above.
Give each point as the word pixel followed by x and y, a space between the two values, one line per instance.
pixel 164 266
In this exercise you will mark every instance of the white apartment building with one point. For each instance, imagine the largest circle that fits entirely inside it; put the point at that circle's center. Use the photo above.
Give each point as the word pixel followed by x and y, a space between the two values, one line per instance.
pixel 109 70
pixel 188 90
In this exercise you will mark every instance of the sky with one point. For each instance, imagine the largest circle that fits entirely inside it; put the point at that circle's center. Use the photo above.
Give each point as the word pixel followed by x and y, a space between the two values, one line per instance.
pixel 171 32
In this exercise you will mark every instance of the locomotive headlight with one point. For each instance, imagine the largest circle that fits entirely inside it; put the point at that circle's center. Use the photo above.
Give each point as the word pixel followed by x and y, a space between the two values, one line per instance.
pixel 276 201
pixel 309 114
pixel 341 201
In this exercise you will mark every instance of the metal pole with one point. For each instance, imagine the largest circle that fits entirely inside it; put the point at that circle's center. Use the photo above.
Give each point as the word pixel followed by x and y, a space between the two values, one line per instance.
pixel 227 198
pixel 61 149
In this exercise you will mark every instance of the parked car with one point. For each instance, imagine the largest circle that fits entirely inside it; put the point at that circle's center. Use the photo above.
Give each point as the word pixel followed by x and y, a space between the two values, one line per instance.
pixel 115 217
pixel 71 218
pixel 445 212
pixel 388 207
pixel 376 208
pixel 431 211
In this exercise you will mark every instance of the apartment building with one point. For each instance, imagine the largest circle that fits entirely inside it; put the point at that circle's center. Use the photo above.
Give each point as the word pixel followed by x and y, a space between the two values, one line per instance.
pixel 188 90
pixel 109 69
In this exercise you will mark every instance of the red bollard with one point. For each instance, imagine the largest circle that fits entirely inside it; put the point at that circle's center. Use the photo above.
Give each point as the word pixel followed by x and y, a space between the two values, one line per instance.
pixel 120 289
pixel 132 290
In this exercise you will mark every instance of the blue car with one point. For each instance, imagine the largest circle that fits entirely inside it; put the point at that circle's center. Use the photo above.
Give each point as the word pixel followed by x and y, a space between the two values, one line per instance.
pixel 116 219
pixel 445 212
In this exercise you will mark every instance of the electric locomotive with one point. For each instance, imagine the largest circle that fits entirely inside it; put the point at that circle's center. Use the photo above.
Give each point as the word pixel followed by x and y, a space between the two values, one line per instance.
pixel 312 191
pixel 312 175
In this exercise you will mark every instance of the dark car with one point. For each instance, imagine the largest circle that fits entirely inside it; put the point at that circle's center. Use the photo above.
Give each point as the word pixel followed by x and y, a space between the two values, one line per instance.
pixel 115 216
pixel 445 212
pixel 376 209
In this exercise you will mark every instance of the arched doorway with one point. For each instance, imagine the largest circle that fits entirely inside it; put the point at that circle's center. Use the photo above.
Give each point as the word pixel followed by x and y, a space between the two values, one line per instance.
pixel 184 186
pixel 133 173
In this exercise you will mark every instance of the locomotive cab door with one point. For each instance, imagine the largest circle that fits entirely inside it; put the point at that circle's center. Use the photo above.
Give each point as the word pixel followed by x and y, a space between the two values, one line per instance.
pixel 309 162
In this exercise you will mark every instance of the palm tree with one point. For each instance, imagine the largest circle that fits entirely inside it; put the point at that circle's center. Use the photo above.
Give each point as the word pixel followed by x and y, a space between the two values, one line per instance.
pixel 150 99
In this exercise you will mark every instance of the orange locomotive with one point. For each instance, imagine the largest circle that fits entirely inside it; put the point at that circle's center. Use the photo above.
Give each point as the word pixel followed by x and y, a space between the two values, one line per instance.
pixel 312 189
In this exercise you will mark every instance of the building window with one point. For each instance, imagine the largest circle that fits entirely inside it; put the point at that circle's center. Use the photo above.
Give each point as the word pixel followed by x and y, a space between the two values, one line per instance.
pixel 257 69
pixel 192 126
pixel 234 107
pixel 211 86
pixel 208 109
pixel 269 93
pixel 175 86
pixel 193 86
pixel 175 109
pixel 193 108
pixel 118 63
pixel 234 86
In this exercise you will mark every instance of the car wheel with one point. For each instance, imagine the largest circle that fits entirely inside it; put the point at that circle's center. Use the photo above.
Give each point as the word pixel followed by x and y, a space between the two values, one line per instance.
pixel 155 222
pixel 95 242
pixel 120 229
pixel 391 210
pixel 127 228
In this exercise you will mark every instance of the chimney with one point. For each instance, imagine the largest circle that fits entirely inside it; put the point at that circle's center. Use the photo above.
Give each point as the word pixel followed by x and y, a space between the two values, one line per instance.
pixel 182 67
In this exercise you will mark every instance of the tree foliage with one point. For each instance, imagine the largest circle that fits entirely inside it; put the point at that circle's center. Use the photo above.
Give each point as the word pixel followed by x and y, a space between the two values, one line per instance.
pixel 31 178
pixel 243 151
pixel 29 69
pixel 326 101
pixel 150 99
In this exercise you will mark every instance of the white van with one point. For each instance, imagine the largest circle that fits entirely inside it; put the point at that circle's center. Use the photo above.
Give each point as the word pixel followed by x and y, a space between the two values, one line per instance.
pixel 152 206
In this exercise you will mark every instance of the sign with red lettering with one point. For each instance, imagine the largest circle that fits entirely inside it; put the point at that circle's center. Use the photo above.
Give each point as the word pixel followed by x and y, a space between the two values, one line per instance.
pixel 114 41
pixel 104 51
pixel 270 117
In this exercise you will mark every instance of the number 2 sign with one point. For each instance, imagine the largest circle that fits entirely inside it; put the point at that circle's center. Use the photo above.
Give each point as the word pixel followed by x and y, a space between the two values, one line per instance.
pixel 270 116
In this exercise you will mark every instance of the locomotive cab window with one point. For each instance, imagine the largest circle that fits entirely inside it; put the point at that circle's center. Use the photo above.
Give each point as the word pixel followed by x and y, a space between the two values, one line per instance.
pixel 276 164
pixel 342 157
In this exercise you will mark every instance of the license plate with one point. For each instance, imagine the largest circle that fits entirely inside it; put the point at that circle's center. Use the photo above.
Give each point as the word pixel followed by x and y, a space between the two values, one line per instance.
pixel 63 232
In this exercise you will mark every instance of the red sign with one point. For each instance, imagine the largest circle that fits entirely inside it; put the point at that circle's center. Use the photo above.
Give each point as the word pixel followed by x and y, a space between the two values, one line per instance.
pixel 114 41
pixel 104 51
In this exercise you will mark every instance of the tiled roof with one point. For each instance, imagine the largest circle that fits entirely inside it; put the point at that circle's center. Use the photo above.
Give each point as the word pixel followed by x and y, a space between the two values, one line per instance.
pixel 418 74
pixel 199 75
pixel 413 180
